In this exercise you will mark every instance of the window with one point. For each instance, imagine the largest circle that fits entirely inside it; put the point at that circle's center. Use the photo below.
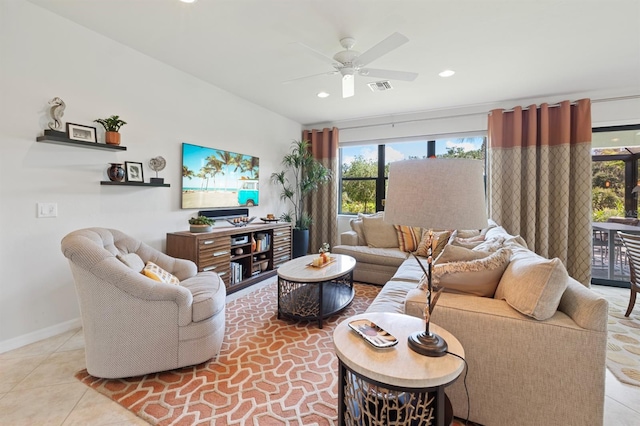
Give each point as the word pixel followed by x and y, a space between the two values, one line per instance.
pixel 364 169
pixel 615 153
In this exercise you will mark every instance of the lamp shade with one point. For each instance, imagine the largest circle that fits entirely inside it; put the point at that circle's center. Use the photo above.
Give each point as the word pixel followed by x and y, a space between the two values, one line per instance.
pixel 436 193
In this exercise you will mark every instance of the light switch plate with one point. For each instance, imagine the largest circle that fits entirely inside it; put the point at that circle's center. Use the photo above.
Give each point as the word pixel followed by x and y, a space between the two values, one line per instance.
pixel 47 210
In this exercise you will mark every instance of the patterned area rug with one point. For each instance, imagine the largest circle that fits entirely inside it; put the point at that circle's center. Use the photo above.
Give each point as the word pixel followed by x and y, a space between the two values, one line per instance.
pixel 269 372
pixel 623 343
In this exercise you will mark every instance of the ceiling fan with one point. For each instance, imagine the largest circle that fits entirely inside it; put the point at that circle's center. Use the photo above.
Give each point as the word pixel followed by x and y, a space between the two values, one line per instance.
pixel 350 62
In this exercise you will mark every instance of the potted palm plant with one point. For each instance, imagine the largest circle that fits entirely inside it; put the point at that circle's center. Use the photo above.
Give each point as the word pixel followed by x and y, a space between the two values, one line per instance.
pixel 301 176
pixel 112 127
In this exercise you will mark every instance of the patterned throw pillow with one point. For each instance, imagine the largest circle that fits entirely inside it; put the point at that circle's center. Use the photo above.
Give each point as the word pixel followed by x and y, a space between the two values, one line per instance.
pixel 156 273
pixel 440 240
pixel 408 237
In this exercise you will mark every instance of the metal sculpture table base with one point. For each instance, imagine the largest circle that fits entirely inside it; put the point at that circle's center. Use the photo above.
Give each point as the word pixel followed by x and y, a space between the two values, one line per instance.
pixel 364 402
pixel 316 300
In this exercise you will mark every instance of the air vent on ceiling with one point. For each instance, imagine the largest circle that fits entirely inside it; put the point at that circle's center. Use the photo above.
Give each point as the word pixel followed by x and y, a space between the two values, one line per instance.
pixel 380 86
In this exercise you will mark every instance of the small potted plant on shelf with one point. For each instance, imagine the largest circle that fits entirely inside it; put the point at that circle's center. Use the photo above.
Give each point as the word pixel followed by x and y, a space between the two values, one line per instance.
pixel 200 224
pixel 112 127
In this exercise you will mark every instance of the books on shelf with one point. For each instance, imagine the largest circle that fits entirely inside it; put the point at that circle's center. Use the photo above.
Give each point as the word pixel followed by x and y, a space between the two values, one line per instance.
pixel 236 272
pixel 263 241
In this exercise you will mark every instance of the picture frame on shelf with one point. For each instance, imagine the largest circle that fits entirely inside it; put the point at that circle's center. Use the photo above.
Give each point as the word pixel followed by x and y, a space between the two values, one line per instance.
pixel 79 132
pixel 133 171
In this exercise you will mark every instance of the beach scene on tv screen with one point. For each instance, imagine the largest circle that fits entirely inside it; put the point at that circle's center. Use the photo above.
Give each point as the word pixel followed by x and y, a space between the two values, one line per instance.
pixel 217 178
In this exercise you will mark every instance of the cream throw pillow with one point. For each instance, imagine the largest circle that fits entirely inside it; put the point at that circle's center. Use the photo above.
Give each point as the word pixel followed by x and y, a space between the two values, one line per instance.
pixel 469 242
pixel 132 260
pixel 479 277
pixel 533 285
pixel 459 254
pixel 378 233
pixel 156 273
pixel 357 227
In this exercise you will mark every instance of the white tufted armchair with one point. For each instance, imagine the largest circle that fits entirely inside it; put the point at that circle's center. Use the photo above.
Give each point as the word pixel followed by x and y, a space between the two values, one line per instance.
pixel 132 324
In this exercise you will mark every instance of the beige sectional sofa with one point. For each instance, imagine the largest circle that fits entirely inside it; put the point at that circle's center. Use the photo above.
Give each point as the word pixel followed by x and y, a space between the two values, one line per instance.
pixel 536 350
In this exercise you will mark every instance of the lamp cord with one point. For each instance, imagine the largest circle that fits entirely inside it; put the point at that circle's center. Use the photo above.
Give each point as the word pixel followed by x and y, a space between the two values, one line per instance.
pixel 466 371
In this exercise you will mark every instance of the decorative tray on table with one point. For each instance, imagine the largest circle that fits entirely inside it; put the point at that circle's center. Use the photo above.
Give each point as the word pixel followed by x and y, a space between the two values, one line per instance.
pixel 373 333
pixel 331 260
pixel 266 219
pixel 242 222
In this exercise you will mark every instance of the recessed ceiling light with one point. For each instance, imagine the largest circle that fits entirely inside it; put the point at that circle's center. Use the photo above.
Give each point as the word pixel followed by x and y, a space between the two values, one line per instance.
pixel 322 95
pixel 188 1
pixel 447 73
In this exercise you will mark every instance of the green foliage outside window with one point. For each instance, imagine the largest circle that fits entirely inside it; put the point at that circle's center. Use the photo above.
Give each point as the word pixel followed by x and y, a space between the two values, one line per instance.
pixel 607 190
pixel 359 195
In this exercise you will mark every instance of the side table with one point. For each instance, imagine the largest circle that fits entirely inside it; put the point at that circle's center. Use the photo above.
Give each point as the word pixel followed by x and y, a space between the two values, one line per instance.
pixel 394 385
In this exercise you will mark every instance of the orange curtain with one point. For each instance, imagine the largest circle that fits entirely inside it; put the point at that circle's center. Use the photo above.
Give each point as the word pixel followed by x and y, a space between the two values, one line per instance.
pixel 322 205
pixel 540 179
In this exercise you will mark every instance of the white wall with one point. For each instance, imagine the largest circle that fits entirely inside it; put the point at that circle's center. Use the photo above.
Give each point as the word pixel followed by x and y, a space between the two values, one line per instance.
pixel 42 56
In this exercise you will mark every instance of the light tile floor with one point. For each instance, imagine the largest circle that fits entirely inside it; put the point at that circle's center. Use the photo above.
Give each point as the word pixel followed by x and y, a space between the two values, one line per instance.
pixel 38 387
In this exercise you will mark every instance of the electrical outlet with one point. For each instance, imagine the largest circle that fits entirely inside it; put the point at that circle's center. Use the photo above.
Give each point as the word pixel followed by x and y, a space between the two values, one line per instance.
pixel 47 210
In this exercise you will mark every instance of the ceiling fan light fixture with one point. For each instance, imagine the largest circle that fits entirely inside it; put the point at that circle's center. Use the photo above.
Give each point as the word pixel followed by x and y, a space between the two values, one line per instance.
pixel 446 73
pixel 348 84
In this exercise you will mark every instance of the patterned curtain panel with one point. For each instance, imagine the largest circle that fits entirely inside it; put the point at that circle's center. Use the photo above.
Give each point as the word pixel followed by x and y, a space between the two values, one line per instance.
pixel 322 205
pixel 540 180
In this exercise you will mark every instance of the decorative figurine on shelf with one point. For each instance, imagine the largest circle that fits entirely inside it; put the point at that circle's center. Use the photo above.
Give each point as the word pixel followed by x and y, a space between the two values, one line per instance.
pixel 56 111
pixel 157 164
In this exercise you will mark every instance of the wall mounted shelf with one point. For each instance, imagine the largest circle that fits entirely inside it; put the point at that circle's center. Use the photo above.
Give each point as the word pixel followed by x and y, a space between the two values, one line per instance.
pixel 57 138
pixel 108 182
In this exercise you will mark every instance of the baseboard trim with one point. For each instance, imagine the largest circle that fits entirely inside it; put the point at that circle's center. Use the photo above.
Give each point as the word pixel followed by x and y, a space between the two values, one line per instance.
pixel 36 336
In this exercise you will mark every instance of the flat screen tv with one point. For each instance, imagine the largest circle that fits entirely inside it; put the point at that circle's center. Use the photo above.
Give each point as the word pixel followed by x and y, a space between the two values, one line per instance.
pixel 217 178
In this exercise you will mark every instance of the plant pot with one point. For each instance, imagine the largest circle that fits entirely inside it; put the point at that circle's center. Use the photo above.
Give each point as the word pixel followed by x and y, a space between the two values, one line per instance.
pixel 115 172
pixel 112 138
pixel 300 242
pixel 200 228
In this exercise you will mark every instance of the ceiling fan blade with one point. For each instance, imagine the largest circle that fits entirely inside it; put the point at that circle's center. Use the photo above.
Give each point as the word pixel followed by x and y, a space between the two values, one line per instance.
pixel 394 41
pixel 348 85
pixel 390 74
pixel 309 76
pixel 319 55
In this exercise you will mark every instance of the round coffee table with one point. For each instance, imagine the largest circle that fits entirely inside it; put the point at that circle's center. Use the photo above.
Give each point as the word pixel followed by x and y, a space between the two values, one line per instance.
pixel 314 293
pixel 393 384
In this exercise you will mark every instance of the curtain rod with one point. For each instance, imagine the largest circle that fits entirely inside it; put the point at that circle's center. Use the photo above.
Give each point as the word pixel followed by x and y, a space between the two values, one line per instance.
pixel 417 120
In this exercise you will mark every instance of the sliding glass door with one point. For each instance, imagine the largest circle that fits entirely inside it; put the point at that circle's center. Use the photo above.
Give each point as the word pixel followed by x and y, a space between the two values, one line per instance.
pixel 615 189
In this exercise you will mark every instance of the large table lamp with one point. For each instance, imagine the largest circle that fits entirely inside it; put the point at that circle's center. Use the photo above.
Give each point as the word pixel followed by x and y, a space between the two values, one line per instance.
pixel 435 194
